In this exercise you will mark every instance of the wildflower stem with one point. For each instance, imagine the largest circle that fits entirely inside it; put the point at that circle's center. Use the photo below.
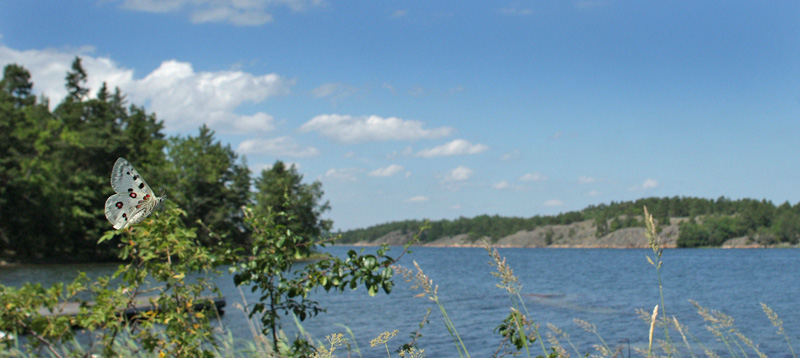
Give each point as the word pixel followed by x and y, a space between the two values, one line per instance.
pixel 451 328
pixel 655 244
pixel 535 329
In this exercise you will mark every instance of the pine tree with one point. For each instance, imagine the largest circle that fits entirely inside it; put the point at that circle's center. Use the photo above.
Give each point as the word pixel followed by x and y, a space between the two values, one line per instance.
pixel 280 189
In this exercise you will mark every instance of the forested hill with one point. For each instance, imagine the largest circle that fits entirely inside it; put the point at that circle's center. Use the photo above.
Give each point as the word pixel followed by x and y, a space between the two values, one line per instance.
pixel 55 167
pixel 703 222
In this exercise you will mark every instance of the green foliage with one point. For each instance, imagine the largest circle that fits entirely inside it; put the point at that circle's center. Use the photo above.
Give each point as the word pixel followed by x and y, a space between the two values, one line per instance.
pixel 786 225
pixel 494 227
pixel 512 330
pixel 719 220
pixel 164 261
pixel 55 167
pixel 712 231
pixel 165 255
pixel 268 270
pixel 203 176
pixel 692 234
pixel 280 189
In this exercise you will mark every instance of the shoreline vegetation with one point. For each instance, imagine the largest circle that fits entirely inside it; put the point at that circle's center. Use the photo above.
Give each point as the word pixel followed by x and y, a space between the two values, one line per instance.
pixel 572 236
pixel 682 222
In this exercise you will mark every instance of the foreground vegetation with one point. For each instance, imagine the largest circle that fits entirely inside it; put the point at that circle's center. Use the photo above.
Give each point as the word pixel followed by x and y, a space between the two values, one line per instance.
pixel 164 254
pixel 165 262
pixel 709 222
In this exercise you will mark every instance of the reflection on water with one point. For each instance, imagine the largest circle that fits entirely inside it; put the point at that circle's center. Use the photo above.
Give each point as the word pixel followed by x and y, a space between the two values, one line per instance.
pixel 601 286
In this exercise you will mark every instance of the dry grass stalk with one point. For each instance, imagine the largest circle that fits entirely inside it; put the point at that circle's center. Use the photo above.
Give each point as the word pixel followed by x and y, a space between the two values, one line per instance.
pixel 778 323
pixel 652 328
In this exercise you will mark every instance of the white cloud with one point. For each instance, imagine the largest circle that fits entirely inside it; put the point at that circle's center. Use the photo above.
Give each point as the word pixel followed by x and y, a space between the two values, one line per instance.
pixel 506 185
pixel 237 12
pixel 510 155
pixel 334 91
pixel 259 122
pixel 258 168
pixel 593 193
pixel 417 199
pixel 399 13
pixel 650 183
pixel 389 87
pixel 387 171
pixel 401 153
pixel 533 177
pixel 586 180
pixel 553 202
pixel 277 147
pixel 48 68
pixel 416 91
pixel 459 174
pixel 354 129
pixel 183 98
pixel 501 185
pixel 236 16
pixel 456 147
pixel 344 174
pixel 515 11
pixel 153 5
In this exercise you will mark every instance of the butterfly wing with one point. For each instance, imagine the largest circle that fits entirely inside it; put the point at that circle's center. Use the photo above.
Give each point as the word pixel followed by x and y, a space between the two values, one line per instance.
pixel 125 179
pixel 134 199
pixel 119 209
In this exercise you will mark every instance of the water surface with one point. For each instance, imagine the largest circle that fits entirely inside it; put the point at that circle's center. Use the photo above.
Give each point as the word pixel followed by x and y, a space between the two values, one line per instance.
pixel 602 286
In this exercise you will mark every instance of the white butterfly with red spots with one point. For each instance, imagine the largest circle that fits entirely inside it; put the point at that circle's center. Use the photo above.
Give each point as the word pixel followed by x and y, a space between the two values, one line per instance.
pixel 134 200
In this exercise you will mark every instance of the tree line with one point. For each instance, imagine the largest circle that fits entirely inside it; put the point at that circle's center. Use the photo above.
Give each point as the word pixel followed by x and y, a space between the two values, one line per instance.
pixel 710 221
pixel 55 167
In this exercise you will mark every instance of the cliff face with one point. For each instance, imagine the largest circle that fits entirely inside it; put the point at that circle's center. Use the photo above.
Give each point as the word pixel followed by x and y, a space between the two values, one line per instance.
pixel 577 235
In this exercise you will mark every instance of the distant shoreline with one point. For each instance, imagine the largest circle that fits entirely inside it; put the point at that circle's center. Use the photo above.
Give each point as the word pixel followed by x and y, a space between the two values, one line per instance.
pixel 738 247
pixel 572 236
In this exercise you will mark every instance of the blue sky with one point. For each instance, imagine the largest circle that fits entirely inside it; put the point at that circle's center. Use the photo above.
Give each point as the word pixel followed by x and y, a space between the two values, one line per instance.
pixel 419 109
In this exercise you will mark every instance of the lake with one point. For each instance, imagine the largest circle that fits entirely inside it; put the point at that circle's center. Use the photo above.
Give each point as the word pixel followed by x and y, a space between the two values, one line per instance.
pixel 601 286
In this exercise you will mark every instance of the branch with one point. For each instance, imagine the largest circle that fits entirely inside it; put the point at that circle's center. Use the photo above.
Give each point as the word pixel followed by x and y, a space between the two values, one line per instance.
pixel 40 338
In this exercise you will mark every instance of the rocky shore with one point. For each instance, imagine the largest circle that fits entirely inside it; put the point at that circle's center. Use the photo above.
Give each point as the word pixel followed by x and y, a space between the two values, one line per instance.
pixel 576 235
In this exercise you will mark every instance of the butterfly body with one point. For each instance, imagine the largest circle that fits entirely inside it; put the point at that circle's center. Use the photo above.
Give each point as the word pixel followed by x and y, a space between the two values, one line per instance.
pixel 134 200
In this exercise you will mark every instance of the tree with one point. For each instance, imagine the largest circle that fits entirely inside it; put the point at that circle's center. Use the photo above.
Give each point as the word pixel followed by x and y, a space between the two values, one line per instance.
pixel 280 189
pixel 269 266
pixel 786 226
pixel 17 84
pixel 204 178
pixel 76 80
pixel 692 234
pixel 28 185
pixel 601 225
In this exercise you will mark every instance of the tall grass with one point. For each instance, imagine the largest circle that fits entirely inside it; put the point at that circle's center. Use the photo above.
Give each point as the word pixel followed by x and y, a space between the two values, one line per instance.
pixel 422 282
pixel 518 332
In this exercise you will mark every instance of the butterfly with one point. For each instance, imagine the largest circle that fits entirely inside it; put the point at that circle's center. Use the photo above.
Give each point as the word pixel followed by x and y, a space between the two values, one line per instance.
pixel 134 200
